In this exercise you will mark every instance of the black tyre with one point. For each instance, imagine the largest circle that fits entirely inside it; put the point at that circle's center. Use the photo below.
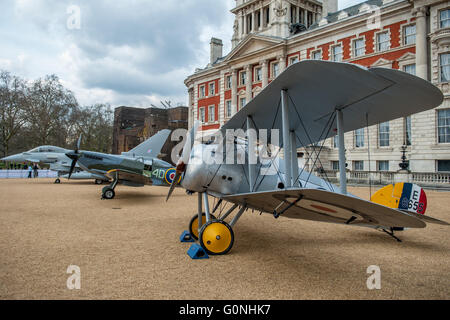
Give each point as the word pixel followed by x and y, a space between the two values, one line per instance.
pixel 193 224
pixel 108 194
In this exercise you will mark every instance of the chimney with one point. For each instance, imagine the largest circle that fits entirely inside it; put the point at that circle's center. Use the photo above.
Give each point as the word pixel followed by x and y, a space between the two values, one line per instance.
pixel 329 6
pixel 216 49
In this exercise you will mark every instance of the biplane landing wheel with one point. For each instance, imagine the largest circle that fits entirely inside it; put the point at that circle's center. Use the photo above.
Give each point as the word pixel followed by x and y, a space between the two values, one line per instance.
pixel 193 224
pixel 57 180
pixel 216 237
pixel 108 194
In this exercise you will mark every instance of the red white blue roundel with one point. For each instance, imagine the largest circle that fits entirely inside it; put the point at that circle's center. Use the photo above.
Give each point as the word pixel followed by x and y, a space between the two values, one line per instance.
pixel 413 198
pixel 170 175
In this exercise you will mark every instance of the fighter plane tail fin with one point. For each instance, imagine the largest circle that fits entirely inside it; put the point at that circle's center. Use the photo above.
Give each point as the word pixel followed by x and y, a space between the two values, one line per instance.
pixel 151 147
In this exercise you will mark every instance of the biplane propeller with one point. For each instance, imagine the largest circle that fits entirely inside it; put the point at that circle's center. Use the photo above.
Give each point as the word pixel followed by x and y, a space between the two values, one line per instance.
pixel 309 102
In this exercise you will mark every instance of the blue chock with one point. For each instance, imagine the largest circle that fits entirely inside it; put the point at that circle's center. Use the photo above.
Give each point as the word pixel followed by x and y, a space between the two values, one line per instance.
pixel 186 237
pixel 195 251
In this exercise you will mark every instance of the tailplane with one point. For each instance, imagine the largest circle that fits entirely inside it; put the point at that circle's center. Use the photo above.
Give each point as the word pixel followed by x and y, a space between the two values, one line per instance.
pixel 151 147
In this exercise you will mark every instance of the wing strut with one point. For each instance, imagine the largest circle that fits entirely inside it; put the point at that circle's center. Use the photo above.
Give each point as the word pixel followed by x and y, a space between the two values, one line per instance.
pixel 286 138
pixel 340 132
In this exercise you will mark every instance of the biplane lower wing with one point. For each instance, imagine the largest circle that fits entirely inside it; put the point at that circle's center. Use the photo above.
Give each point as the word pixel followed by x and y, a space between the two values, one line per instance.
pixel 325 206
pixel 128 176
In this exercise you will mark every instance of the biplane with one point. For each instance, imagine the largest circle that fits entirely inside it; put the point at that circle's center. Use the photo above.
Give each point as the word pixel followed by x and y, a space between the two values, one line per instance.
pixel 307 103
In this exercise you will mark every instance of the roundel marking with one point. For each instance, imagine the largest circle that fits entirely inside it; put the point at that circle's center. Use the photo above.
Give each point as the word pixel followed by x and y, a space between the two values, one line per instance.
pixel 170 175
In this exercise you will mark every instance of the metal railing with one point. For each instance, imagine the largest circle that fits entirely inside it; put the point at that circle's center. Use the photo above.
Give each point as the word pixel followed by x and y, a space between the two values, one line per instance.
pixel 18 174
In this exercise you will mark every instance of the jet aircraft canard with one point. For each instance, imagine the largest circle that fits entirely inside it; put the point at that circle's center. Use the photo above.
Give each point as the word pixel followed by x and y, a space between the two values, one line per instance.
pixel 309 102
pixel 135 168
pixel 56 158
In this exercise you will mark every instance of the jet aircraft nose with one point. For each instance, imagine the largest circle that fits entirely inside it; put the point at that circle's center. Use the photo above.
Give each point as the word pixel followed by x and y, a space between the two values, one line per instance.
pixel 15 157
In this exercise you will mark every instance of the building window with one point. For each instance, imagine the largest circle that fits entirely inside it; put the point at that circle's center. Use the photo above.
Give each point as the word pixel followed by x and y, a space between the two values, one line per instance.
pixel 258 74
pixel 359 138
pixel 358 165
pixel 337 53
pixel 409 34
pixel 211 113
pixel 201 115
pixel 293 60
pixel 444 18
pixel 359 48
pixel 202 92
pixel 243 78
pixel 228 81
pixel 275 69
pixel 317 55
pixel 228 108
pixel 212 89
pixel 383 165
pixel 336 141
pixel 408 131
pixel 384 134
pixel 383 41
pixel 335 165
pixel 410 68
pixel 444 61
pixel 443 126
pixel 242 102
pixel 443 165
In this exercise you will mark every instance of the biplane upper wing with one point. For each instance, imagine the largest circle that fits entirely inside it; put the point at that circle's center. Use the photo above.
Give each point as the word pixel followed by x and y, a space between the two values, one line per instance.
pixel 317 88
pixel 326 206
pixel 130 176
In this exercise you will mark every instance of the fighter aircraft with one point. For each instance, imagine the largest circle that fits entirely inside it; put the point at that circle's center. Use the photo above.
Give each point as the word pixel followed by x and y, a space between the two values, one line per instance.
pixel 307 103
pixel 136 168
pixel 58 161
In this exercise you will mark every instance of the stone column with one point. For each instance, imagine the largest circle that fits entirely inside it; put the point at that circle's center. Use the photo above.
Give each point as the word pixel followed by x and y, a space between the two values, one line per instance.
pixel 245 24
pixel 421 42
pixel 191 107
pixel 253 21
pixel 265 73
pixel 248 84
pixel 261 13
pixel 234 90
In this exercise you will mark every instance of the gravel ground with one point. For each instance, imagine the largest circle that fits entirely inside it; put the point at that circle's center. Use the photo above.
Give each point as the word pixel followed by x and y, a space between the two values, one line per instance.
pixel 128 248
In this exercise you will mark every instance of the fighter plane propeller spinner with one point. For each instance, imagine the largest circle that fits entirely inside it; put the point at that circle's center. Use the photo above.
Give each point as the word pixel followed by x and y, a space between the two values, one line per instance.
pixel 309 102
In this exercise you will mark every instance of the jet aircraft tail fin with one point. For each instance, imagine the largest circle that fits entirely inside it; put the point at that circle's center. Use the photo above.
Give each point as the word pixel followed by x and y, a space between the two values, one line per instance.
pixel 151 147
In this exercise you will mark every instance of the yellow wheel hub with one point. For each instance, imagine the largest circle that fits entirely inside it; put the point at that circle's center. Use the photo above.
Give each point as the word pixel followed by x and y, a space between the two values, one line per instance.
pixel 216 237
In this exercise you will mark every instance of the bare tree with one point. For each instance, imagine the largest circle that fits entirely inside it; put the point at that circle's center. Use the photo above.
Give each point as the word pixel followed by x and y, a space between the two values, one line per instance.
pixel 49 111
pixel 13 102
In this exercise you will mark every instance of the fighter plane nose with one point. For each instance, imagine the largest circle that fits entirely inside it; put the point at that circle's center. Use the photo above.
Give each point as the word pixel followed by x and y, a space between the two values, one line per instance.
pixel 14 157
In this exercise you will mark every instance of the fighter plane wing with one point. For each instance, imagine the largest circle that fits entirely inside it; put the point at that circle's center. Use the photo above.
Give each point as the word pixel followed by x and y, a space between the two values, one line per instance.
pixel 325 206
pixel 128 176
pixel 365 97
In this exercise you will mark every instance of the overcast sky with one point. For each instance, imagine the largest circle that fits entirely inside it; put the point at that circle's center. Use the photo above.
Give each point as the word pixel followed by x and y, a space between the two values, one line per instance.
pixel 122 52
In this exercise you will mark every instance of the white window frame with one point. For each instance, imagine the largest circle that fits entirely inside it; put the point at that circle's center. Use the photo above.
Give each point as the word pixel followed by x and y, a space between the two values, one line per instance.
pixel 333 53
pixel 447 138
pixel 447 21
pixel 379 162
pixel 228 115
pixel 256 69
pixel 355 49
pixel 405 66
pixel 200 93
pixel 243 79
pixel 291 58
pixel 272 69
pixel 213 85
pixel 405 36
pixel 202 111
pixel 356 134
pixel 213 108
pixel 314 52
pixel 388 132
pixel 377 42
pixel 358 161
pixel 440 67
pixel 241 105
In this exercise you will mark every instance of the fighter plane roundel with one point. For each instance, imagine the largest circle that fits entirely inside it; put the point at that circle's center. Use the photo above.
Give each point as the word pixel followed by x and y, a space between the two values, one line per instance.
pixel 169 175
